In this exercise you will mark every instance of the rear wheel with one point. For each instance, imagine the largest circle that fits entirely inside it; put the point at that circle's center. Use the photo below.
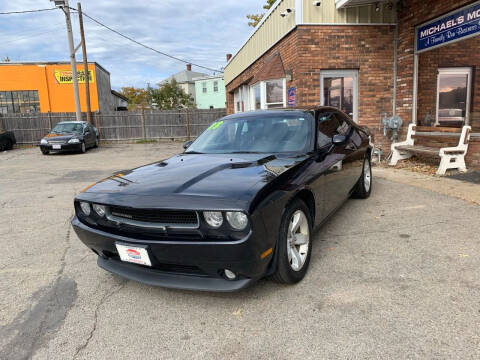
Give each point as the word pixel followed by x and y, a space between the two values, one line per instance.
pixel 363 188
pixel 9 145
pixel 294 244
pixel 96 143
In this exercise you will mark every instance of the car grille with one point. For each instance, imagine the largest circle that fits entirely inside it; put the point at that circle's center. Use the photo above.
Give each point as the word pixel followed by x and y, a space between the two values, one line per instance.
pixel 161 217
pixel 56 141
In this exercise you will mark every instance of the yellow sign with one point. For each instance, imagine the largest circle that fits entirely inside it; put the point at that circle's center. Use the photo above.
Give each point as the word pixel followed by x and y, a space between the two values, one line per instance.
pixel 65 76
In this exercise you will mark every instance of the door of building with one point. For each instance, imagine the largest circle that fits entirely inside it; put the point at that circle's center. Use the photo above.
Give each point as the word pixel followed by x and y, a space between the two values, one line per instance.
pixel 339 88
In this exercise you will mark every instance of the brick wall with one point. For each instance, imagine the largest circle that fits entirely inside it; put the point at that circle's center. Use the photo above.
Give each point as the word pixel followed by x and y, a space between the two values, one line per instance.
pixel 309 49
pixel 366 48
pixel 286 47
pixel 415 13
pixel 464 53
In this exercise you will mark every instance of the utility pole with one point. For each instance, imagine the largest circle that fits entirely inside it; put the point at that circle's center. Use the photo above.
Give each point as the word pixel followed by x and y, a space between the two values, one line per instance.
pixel 85 63
pixel 63 4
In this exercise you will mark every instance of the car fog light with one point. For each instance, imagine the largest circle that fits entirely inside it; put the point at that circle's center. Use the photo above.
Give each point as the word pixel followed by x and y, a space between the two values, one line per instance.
pixel 213 218
pixel 230 275
pixel 237 220
pixel 99 209
pixel 73 141
pixel 85 208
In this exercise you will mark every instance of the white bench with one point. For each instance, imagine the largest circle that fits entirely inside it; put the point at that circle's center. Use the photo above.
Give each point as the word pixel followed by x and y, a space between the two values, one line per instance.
pixel 450 157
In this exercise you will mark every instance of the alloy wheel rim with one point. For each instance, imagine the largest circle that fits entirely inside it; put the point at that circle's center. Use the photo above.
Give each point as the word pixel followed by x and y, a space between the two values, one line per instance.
pixel 298 240
pixel 367 176
pixel 83 147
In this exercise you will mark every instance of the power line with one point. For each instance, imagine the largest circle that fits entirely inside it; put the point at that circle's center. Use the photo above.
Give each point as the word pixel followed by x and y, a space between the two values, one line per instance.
pixel 34 35
pixel 26 11
pixel 147 46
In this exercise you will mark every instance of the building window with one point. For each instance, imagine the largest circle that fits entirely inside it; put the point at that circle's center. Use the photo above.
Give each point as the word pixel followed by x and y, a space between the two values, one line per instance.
pixel 19 102
pixel 274 94
pixel 339 88
pixel 453 96
pixel 215 86
pixel 204 87
pixel 268 94
pixel 257 97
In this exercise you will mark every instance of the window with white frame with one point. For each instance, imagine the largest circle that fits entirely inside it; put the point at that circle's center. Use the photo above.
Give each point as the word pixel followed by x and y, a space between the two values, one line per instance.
pixel 453 95
pixel 274 94
pixel 215 86
pixel 204 87
pixel 268 94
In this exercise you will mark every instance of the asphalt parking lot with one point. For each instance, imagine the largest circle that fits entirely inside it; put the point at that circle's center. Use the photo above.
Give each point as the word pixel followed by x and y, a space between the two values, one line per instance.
pixel 396 276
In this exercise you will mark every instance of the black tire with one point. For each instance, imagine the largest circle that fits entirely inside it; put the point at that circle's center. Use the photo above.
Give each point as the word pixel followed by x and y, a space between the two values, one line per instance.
pixel 9 145
pixel 83 148
pixel 45 151
pixel 96 143
pixel 284 273
pixel 363 188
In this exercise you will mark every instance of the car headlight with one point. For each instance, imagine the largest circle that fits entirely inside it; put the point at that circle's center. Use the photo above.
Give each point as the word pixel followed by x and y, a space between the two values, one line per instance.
pixel 73 141
pixel 237 220
pixel 44 142
pixel 85 208
pixel 99 209
pixel 213 218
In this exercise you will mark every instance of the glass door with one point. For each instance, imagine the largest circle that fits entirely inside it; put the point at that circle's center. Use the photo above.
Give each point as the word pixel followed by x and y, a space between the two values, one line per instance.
pixel 339 88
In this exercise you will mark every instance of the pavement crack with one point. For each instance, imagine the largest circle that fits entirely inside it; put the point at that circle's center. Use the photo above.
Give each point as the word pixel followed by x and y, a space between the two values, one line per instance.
pixel 103 300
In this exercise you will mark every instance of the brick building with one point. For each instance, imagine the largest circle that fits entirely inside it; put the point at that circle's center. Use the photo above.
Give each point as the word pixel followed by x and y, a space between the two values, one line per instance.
pixel 367 58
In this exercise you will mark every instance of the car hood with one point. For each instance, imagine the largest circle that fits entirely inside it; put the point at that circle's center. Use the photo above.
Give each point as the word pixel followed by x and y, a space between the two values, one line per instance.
pixel 221 181
pixel 62 137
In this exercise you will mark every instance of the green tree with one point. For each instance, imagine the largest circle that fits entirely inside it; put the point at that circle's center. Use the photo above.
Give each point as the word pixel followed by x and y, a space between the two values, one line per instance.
pixel 138 98
pixel 256 18
pixel 170 96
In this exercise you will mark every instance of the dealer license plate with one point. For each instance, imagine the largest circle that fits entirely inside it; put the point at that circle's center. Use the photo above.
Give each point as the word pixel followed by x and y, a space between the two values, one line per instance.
pixel 56 147
pixel 133 254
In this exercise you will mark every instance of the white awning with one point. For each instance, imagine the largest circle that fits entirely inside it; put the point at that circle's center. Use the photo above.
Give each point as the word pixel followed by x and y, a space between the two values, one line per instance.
pixel 350 3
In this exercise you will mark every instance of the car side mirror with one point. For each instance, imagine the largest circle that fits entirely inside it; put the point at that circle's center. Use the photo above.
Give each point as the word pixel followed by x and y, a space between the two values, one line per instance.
pixel 86 132
pixel 339 139
pixel 187 144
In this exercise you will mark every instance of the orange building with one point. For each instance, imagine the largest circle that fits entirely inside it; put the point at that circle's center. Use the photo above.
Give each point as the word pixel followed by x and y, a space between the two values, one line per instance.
pixel 48 87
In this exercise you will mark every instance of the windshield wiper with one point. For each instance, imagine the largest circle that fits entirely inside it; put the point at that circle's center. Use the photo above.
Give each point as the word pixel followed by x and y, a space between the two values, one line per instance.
pixel 245 152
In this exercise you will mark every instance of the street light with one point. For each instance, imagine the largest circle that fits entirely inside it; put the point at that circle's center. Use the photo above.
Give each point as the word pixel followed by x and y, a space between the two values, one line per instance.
pixel 63 4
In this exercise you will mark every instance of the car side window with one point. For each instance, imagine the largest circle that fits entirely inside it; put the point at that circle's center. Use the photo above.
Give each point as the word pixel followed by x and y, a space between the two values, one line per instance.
pixel 327 127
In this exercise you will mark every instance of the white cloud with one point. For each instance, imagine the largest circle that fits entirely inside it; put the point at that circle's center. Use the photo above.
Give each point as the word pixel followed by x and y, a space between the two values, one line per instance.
pixel 197 30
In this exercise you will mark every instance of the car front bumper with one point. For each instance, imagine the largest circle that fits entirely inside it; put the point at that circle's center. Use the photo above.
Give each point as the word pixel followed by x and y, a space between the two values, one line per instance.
pixel 64 147
pixel 191 265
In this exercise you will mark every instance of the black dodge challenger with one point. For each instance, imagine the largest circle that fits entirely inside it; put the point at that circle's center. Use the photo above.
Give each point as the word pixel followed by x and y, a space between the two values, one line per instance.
pixel 241 202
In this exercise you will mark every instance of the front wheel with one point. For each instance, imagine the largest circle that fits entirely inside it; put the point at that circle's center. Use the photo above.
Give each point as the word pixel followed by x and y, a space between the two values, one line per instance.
pixel 363 188
pixel 294 244
pixel 45 151
pixel 83 148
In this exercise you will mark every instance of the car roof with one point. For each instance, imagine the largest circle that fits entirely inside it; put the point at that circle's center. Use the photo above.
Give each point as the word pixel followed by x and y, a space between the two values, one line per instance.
pixel 73 122
pixel 281 111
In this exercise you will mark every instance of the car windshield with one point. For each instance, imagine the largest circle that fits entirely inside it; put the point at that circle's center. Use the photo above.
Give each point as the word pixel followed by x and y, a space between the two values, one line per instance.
pixel 256 134
pixel 68 128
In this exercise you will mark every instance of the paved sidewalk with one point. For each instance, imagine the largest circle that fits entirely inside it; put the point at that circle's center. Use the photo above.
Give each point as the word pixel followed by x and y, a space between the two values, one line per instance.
pixel 443 185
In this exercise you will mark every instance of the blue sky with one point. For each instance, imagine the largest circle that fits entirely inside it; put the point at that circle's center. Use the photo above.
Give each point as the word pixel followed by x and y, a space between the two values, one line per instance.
pixel 200 31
